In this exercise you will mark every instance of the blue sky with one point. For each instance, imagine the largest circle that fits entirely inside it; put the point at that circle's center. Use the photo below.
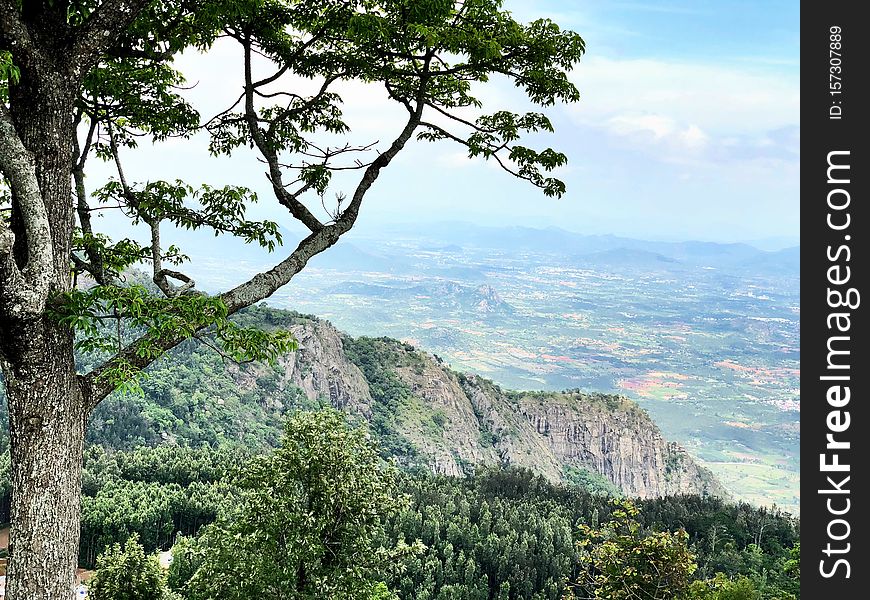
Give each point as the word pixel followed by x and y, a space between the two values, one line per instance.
pixel 688 128
pixel 688 125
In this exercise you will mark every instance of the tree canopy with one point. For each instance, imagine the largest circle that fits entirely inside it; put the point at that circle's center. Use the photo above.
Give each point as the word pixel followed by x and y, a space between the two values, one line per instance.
pixel 309 521
pixel 430 57
pixel 127 573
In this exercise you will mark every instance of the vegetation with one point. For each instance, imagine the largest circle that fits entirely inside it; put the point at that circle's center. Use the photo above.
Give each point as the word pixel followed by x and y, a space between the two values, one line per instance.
pixel 308 522
pixel 378 363
pixel 501 533
pixel 127 573
pixel 591 482
pixel 621 562
pixel 154 494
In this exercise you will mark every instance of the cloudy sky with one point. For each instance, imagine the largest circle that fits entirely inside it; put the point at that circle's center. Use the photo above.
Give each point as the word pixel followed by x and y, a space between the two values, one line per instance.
pixel 687 129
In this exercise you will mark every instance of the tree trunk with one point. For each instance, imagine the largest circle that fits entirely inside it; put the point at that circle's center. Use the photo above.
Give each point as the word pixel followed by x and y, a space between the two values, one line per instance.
pixel 46 409
pixel 46 429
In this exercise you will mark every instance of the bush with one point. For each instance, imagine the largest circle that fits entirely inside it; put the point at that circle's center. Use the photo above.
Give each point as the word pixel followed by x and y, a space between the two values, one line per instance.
pixel 128 574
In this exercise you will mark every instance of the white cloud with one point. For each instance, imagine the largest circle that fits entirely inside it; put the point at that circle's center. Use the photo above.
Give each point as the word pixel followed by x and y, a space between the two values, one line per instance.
pixel 693 137
pixel 658 132
pixel 658 125
pixel 674 110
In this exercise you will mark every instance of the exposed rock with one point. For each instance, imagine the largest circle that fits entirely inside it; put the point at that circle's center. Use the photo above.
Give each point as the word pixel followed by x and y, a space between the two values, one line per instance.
pixel 321 368
pixel 489 300
pixel 456 422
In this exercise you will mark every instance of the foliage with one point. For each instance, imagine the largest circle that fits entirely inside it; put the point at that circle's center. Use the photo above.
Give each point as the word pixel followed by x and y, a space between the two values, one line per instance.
pixel 151 494
pixel 309 520
pixel 428 56
pixel 222 209
pixel 378 361
pixel 591 482
pixel 788 576
pixel 196 395
pixel 86 310
pixel 381 592
pixel 9 74
pixel 619 561
pixel 126 573
pixel 721 587
pixel 501 533
pixel 185 562
pixel 733 538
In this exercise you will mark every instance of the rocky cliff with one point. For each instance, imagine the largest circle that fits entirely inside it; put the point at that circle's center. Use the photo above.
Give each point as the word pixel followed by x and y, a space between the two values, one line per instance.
pixel 450 422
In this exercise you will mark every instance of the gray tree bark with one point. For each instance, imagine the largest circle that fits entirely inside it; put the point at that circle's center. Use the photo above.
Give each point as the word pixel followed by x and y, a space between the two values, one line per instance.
pixel 46 427
pixel 46 408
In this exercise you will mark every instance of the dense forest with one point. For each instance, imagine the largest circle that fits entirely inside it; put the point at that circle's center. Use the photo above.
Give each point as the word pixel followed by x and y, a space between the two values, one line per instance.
pixel 499 533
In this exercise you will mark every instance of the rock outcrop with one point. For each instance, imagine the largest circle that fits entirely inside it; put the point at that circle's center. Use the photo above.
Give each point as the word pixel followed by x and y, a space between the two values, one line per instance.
pixel 322 370
pixel 455 422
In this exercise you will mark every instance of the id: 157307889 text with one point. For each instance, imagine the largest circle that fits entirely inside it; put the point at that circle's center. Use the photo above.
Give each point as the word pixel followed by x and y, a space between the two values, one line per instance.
pixel 835 72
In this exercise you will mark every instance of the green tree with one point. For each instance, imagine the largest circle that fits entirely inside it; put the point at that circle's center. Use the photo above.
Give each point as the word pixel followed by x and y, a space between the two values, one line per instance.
pixel 790 571
pixel 381 592
pixel 184 563
pixel 309 523
pixel 127 574
pixel 620 561
pixel 80 78
pixel 720 587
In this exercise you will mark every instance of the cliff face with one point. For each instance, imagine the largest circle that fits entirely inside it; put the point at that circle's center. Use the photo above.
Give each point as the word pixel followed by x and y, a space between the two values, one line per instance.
pixel 322 370
pixel 607 435
pixel 454 422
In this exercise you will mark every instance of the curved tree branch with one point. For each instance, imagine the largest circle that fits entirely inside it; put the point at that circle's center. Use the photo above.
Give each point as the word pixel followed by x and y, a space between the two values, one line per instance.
pixel 290 201
pixel 23 290
pixel 96 386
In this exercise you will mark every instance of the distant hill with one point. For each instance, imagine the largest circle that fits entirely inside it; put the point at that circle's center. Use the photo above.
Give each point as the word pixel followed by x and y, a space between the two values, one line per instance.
pixel 449 295
pixel 783 261
pixel 619 257
pixel 423 413
pixel 387 251
pixel 556 241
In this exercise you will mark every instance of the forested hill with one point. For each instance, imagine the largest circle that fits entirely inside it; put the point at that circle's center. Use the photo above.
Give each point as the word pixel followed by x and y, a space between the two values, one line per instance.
pixel 422 412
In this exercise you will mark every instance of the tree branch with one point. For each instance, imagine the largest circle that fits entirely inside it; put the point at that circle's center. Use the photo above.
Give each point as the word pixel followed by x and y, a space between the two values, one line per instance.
pixel 217 349
pixel 288 200
pixel 101 30
pixel 14 35
pixel 161 276
pixel 373 171
pixel 129 197
pixel 97 386
pixel 83 210
pixel 23 291
pixel 492 150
